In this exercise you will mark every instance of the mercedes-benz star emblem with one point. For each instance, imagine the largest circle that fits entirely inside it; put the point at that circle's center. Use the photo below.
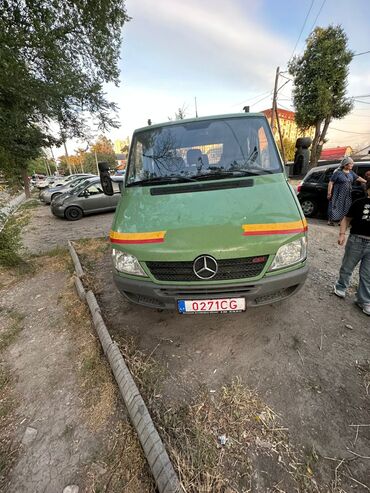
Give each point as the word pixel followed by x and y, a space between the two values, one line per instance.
pixel 205 267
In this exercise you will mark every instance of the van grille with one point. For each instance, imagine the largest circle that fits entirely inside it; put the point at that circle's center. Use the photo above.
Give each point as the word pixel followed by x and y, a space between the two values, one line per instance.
pixel 229 269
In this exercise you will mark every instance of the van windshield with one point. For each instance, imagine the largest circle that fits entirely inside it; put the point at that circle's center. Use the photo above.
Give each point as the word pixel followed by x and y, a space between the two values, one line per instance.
pixel 201 150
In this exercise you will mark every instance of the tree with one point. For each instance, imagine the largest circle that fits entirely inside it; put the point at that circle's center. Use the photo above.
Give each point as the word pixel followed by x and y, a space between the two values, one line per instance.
pixel 289 148
pixel 103 146
pixel 180 114
pixel 55 58
pixel 320 83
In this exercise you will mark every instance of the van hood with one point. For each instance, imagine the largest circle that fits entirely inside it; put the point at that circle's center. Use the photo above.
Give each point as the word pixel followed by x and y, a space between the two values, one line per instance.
pixel 226 223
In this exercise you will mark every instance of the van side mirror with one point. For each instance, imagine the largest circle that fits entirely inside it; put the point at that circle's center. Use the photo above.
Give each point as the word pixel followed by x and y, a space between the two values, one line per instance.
pixel 105 179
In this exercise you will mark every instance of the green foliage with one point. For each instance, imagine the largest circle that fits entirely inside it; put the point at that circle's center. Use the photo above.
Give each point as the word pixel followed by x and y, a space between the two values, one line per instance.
pixel 10 244
pixel 289 148
pixel 41 166
pixel 320 82
pixel 55 58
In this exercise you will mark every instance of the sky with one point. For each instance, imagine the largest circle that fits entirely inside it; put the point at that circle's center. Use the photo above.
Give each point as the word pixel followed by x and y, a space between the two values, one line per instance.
pixel 225 53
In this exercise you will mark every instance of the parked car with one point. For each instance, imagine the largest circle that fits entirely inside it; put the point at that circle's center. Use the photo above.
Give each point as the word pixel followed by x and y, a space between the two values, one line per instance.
pixel 49 194
pixel 58 181
pixel 207 221
pixel 35 178
pixel 86 198
pixel 312 191
pixel 47 182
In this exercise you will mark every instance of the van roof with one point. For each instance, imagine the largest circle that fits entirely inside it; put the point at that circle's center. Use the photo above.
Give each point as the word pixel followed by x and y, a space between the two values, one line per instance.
pixel 202 118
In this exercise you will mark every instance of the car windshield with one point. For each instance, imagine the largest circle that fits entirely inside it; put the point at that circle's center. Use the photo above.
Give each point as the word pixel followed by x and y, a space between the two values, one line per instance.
pixel 78 188
pixel 204 149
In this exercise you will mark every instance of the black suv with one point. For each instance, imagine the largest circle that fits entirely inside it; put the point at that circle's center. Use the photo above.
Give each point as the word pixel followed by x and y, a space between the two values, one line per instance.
pixel 312 191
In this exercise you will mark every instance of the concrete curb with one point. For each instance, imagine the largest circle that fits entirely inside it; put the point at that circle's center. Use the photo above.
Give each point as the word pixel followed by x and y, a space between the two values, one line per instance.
pixel 76 260
pixel 153 447
pixel 13 205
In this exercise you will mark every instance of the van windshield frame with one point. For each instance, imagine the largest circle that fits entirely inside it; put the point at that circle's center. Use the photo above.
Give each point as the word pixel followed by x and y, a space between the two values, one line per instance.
pixel 211 149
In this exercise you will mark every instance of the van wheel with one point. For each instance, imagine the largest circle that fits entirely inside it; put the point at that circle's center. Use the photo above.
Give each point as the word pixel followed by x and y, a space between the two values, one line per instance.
pixel 73 213
pixel 309 207
pixel 55 195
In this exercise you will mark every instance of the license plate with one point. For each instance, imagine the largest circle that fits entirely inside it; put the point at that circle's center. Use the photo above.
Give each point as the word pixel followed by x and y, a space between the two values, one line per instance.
pixel 221 305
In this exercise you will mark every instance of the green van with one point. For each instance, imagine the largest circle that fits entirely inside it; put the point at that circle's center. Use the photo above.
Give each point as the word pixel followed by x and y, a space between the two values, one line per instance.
pixel 207 221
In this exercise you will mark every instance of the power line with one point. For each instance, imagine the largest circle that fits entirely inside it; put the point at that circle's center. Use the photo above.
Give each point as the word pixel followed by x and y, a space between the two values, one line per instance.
pixel 304 25
pixel 349 132
pixel 253 104
pixel 314 22
pixel 363 102
pixel 361 96
pixel 363 53
pixel 252 98
pixel 285 77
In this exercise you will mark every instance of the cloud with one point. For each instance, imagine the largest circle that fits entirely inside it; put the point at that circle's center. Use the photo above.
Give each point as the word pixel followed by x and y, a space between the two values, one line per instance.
pixel 212 40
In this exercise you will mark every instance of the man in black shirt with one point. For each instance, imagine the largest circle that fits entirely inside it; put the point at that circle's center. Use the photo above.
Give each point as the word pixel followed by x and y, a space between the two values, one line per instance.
pixel 357 250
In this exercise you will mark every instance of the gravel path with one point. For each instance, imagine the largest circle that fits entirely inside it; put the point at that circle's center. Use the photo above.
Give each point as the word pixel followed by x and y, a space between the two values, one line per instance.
pixel 46 232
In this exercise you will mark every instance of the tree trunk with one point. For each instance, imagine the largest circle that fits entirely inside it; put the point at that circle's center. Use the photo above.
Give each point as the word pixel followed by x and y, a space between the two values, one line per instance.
pixel 26 182
pixel 322 136
pixel 314 147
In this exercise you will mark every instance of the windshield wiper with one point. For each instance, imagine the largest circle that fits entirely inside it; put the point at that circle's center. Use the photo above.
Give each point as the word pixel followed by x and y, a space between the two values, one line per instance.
pixel 229 173
pixel 161 179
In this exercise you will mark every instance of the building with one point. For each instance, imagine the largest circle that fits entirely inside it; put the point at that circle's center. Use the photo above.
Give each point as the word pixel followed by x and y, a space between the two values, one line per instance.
pixel 121 160
pixel 289 128
pixel 335 153
pixel 121 145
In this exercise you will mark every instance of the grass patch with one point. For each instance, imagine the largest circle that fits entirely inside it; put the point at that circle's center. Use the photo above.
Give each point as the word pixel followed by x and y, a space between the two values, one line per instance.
pixel 119 460
pixel 10 239
pixel 8 452
pixel 29 204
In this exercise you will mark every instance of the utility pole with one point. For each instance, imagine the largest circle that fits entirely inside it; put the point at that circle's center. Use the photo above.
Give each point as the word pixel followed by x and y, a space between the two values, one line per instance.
pixel 55 163
pixel 274 98
pixel 67 156
pixel 274 113
pixel 196 107
pixel 280 136
pixel 96 162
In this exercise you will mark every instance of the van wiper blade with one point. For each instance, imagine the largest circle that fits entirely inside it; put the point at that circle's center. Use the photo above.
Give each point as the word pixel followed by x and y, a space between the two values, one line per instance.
pixel 161 179
pixel 228 174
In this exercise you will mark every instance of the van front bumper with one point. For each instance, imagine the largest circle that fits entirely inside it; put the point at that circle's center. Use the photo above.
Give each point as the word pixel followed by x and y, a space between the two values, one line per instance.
pixel 269 289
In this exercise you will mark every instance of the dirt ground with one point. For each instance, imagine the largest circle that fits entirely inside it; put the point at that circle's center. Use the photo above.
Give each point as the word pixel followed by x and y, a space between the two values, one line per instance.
pixel 307 358
pixel 46 232
pixel 61 419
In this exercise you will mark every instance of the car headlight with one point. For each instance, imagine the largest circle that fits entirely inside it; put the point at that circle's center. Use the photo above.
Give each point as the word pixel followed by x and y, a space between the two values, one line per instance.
pixel 290 254
pixel 127 263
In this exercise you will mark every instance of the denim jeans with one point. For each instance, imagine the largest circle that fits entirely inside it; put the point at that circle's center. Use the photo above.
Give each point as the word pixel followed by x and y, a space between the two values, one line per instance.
pixel 357 250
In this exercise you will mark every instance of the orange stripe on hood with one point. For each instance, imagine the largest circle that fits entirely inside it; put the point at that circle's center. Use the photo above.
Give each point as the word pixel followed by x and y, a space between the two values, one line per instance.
pixel 147 237
pixel 275 228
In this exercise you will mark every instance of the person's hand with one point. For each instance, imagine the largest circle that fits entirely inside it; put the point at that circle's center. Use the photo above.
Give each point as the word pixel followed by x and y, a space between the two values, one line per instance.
pixel 341 239
pixel 329 196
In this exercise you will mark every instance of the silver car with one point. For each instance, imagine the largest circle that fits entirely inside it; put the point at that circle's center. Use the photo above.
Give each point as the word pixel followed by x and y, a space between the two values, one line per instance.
pixel 86 198
pixel 49 194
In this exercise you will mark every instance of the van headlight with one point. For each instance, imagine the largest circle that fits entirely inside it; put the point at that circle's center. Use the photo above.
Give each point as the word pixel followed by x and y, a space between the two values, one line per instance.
pixel 127 263
pixel 290 254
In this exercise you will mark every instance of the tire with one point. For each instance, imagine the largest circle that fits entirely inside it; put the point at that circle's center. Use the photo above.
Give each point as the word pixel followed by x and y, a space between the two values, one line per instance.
pixel 73 213
pixel 309 207
pixel 56 194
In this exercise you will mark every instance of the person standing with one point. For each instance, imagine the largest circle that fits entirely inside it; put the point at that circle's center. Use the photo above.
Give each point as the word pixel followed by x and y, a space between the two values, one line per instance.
pixel 357 251
pixel 340 190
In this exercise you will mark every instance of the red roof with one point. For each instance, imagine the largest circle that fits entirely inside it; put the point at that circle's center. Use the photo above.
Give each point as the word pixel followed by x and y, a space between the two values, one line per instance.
pixel 284 114
pixel 334 153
